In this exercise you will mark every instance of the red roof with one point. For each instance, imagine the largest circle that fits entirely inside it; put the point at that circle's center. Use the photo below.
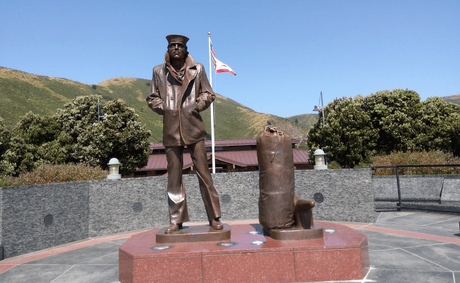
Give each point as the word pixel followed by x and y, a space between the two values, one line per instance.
pixel 241 158
pixel 300 156
pixel 235 142
pixel 155 162
pixel 156 145
pixel 220 143
pixel 159 162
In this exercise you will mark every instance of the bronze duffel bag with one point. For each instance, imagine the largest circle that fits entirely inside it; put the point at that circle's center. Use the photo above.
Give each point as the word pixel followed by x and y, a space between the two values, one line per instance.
pixel 276 179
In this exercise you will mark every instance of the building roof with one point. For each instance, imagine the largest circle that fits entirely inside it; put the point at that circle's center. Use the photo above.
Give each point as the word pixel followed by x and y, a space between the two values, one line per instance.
pixel 242 158
pixel 220 143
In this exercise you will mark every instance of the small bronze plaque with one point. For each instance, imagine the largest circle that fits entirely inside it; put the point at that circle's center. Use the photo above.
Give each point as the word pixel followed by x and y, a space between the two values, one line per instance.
pixel 319 198
pixel 137 207
pixel 48 220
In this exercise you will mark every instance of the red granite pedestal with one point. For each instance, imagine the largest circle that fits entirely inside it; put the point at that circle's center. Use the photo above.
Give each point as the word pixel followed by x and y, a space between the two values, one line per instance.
pixel 342 254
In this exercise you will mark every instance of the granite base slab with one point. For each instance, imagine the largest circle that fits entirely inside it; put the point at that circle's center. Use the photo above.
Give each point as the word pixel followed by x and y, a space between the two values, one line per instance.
pixel 249 256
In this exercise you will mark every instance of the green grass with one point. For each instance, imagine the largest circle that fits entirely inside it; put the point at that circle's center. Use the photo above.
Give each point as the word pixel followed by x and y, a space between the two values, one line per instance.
pixel 22 92
pixel 305 121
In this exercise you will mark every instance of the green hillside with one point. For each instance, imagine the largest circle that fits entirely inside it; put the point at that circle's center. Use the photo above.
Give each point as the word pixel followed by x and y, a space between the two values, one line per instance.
pixel 22 92
pixel 453 98
pixel 305 121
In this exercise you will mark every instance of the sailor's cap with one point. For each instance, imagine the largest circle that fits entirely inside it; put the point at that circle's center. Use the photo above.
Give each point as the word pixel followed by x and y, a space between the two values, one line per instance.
pixel 177 37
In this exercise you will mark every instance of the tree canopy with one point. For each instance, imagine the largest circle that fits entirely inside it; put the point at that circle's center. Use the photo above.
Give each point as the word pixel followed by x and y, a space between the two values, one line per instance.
pixel 120 134
pixel 358 128
pixel 73 135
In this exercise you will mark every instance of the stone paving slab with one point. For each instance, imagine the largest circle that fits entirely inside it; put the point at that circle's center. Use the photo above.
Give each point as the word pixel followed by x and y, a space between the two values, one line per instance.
pixel 381 241
pixel 401 259
pixel 82 255
pixel 84 273
pixel 407 276
pixel 26 273
pixel 438 231
pixel 446 225
pixel 403 247
pixel 111 258
pixel 445 255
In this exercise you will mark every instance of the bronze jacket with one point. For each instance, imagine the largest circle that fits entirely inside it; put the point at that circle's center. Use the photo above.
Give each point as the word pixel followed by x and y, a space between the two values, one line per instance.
pixel 182 123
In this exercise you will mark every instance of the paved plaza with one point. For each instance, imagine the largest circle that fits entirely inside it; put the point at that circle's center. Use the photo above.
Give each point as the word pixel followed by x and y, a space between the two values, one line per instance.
pixel 403 247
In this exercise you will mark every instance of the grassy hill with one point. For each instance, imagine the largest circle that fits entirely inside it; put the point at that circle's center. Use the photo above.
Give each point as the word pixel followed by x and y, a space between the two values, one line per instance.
pixel 305 121
pixel 453 98
pixel 22 92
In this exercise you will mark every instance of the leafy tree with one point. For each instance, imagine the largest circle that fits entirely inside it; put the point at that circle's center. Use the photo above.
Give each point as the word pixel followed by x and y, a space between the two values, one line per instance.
pixel 4 137
pixel 45 138
pixel 17 158
pixel 387 121
pixel 16 155
pixel 347 136
pixel 392 114
pixel 119 135
pixel 73 135
pixel 436 125
pixel 37 130
pixel 453 121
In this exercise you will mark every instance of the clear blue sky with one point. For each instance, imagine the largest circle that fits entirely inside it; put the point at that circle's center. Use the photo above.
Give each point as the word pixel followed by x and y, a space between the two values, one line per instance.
pixel 284 52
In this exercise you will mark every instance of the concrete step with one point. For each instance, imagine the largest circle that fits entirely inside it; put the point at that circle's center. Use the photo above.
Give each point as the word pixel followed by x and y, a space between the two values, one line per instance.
pixel 431 207
pixel 435 199
pixel 382 206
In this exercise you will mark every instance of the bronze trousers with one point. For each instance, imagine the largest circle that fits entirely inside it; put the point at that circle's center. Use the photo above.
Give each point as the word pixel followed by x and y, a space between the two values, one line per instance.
pixel 176 191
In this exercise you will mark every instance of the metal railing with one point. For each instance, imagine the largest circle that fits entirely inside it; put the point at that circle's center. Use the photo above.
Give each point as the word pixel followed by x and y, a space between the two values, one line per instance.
pixel 374 168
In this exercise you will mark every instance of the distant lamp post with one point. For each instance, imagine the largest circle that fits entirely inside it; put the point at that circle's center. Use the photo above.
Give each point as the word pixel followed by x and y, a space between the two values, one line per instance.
pixel 99 116
pixel 320 109
pixel 114 169
pixel 320 160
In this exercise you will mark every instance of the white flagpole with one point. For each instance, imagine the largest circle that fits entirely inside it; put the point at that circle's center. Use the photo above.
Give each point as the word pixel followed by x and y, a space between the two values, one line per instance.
pixel 212 110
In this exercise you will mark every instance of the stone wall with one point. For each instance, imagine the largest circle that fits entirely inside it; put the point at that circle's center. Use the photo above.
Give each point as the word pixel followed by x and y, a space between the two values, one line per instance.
pixel 127 205
pixel 43 216
pixel 347 194
pixel 451 192
pixel 444 189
